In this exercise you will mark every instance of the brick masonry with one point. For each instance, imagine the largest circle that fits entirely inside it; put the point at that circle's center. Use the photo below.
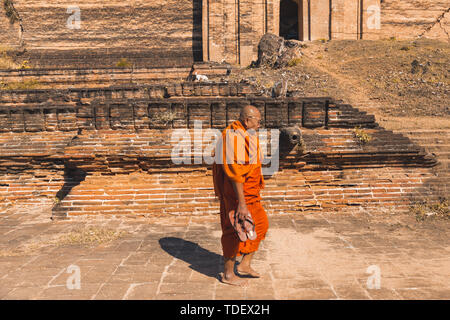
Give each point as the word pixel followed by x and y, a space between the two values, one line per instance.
pixel 232 29
pixel 177 33
pixel 410 19
pixel 151 33
pixel 108 151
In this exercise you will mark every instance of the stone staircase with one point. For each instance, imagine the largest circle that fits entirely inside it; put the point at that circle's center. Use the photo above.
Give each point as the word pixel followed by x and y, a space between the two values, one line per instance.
pixel 95 77
pixel 434 138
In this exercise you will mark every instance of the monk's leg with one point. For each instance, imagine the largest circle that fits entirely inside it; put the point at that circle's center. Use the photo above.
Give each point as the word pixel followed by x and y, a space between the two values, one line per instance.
pixel 229 276
pixel 245 268
pixel 249 248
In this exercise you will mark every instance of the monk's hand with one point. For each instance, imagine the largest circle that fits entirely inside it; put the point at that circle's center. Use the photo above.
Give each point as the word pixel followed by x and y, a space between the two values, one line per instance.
pixel 242 211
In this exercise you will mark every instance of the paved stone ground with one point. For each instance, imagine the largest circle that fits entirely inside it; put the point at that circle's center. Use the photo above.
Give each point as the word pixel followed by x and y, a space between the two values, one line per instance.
pixel 304 256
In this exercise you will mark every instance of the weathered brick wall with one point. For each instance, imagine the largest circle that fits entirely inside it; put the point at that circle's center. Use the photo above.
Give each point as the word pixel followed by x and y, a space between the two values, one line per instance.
pixel 163 28
pixel 30 168
pixel 103 153
pixel 409 19
pixel 175 32
pixel 95 77
pixel 288 191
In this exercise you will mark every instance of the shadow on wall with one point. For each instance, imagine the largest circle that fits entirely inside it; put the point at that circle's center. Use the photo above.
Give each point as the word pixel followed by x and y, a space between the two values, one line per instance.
pixel 200 259
pixel 197 29
pixel 72 178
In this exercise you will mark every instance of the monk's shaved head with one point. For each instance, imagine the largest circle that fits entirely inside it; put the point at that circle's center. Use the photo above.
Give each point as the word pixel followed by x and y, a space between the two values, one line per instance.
pixel 249 112
pixel 250 117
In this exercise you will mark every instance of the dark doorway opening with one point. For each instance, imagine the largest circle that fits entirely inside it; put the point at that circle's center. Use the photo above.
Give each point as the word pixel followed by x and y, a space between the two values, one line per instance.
pixel 197 33
pixel 290 20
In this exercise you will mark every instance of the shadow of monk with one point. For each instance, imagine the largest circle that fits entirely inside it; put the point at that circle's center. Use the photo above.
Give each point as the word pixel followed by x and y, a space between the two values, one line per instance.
pixel 201 260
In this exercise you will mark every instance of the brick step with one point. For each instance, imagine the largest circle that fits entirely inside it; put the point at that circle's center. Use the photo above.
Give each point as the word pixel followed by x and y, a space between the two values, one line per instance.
pixel 425 132
pixel 93 77
pixel 201 92
pixel 443 140
pixel 105 55
pixel 82 78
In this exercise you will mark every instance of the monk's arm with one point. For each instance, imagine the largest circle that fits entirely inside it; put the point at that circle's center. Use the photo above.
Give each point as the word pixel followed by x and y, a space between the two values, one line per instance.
pixel 242 209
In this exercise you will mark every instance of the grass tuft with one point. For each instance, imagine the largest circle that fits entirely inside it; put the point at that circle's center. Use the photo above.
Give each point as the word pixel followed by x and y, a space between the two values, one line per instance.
pixel 123 63
pixel 361 135
pixel 90 236
pixel 294 62
pixel 426 209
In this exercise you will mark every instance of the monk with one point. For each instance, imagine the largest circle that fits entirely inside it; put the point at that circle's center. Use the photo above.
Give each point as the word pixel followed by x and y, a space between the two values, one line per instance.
pixel 237 183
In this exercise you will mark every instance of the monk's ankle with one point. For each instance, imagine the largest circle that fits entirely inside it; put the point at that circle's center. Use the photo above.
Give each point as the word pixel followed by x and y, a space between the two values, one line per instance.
pixel 229 275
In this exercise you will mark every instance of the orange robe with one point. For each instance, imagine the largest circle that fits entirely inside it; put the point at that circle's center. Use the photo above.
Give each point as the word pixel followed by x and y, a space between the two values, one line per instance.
pixel 246 168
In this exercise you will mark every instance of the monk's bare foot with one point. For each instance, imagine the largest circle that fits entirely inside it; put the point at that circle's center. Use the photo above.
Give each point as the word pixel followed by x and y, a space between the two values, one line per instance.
pixel 233 280
pixel 247 271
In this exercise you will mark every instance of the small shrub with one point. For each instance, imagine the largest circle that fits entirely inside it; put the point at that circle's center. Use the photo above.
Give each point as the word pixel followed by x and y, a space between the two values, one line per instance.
pixel 252 65
pixel 425 209
pixel 294 62
pixel 361 135
pixel 405 48
pixel 123 63
pixel 25 65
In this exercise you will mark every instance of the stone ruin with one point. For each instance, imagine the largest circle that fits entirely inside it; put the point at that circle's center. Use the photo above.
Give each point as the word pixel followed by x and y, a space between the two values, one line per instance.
pixel 95 142
pixel 108 151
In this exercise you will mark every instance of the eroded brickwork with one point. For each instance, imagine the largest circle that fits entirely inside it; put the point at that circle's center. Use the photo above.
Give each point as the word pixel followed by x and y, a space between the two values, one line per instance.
pixel 155 33
pixel 110 151
pixel 169 31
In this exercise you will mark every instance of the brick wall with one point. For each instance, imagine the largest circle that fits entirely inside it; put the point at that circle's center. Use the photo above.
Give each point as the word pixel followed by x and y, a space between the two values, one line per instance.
pixel 115 29
pixel 288 191
pixel 103 153
pixel 409 19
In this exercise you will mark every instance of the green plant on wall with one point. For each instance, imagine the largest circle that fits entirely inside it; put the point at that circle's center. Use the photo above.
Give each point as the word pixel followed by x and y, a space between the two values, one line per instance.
pixel 25 65
pixel 123 63
pixel 362 136
pixel 13 16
